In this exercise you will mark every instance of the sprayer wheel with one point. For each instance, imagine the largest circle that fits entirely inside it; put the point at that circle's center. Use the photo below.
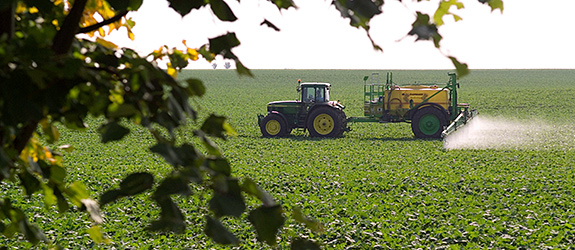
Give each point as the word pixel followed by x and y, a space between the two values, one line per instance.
pixel 429 122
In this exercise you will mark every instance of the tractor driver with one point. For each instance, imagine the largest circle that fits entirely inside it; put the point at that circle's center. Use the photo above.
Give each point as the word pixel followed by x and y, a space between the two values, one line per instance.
pixel 319 95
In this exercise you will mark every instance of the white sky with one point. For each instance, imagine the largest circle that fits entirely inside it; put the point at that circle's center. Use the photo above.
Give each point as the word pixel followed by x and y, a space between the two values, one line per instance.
pixel 529 34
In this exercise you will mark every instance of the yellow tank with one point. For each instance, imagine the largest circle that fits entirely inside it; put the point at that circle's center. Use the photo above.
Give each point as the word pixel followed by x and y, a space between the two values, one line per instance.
pixel 400 99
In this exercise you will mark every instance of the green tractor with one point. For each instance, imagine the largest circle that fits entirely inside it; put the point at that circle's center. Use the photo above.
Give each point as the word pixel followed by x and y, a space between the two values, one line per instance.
pixel 314 112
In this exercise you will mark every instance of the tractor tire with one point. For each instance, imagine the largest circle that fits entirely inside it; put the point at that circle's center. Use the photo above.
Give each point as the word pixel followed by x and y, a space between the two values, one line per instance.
pixel 429 122
pixel 326 122
pixel 273 125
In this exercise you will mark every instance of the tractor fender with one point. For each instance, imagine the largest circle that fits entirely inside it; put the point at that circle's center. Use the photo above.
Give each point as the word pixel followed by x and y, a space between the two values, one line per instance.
pixel 435 105
pixel 280 114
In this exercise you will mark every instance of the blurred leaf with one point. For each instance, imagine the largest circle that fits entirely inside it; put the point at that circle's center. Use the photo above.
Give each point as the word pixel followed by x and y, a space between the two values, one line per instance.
pixel 218 233
pixel 136 183
pixel 195 87
pixel 214 126
pixel 227 199
pixel 112 131
pixel 443 10
pixel 219 165
pixel 178 59
pixel 50 131
pixel 63 205
pixel 267 221
pixel 31 183
pixel 97 235
pixel 107 44
pixel 461 68
pixel 250 187
pixel 173 185
pixel 424 30
pixel 185 6
pixel 222 10
pixel 304 244
pixel 208 144
pixel 171 218
pixel 311 223
pixel 283 4
pixel 93 209
pixel 494 4
pixel 167 151
pixel 269 24
pixel 57 174
pixel 77 191
pixel 242 70
pixel 110 196
pixel 223 43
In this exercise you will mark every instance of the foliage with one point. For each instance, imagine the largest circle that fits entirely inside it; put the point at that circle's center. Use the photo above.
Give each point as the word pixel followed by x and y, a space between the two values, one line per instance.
pixel 49 76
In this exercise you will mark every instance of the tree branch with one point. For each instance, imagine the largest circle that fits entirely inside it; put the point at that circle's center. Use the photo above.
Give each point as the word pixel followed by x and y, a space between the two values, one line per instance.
pixel 7 20
pixel 63 40
pixel 94 27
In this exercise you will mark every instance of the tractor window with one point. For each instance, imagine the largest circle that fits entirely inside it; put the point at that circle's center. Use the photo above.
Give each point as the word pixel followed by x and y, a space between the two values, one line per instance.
pixel 308 94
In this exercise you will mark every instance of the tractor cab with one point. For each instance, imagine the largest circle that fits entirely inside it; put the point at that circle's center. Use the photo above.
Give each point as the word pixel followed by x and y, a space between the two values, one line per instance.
pixel 314 92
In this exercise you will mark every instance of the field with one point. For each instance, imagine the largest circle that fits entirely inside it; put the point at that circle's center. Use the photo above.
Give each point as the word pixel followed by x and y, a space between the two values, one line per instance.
pixel 377 186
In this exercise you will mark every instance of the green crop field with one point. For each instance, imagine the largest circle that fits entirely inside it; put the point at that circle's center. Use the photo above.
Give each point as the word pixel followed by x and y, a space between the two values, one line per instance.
pixel 511 186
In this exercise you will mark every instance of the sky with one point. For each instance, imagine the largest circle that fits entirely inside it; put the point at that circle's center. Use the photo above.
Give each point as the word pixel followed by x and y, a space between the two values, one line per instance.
pixel 528 34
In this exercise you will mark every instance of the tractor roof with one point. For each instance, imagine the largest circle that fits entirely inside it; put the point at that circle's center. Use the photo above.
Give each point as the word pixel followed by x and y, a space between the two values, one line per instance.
pixel 315 84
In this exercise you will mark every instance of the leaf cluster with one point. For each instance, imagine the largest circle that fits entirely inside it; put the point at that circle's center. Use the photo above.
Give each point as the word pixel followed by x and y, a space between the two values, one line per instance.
pixel 50 77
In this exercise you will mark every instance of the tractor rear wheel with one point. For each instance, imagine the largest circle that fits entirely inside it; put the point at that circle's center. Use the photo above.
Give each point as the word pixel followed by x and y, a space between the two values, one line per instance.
pixel 326 122
pixel 273 125
pixel 429 122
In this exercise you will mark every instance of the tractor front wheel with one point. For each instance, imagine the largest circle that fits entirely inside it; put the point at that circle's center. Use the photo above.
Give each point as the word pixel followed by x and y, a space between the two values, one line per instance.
pixel 273 125
pixel 429 122
pixel 326 122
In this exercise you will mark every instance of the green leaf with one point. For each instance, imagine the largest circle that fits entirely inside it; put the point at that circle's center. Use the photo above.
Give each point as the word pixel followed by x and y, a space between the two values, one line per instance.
pixel 195 87
pixel 220 165
pixel 250 187
pixel 173 185
pixel 223 43
pixel 227 199
pixel 136 183
pixel 218 233
pixel 443 10
pixel 185 6
pixel 171 218
pixel 424 30
pixel 222 10
pixel 169 152
pixel 267 221
pixel 97 235
pixel 208 144
pixel 242 70
pixel 112 131
pixel 311 223
pixel 494 4
pixel 461 68
pixel 57 174
pixel 283 4
pixel 77 191
pixel 304 244
pixel 178 59
pixel 110 196
pixel 214 126
pixel 31 183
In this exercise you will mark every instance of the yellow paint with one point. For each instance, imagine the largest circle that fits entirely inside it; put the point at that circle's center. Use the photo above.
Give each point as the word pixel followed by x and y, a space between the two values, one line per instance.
pixel 398 100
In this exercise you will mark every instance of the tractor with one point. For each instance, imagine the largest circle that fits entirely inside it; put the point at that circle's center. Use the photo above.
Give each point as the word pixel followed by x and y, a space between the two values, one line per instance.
pixel 433 111
pixel 314 112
